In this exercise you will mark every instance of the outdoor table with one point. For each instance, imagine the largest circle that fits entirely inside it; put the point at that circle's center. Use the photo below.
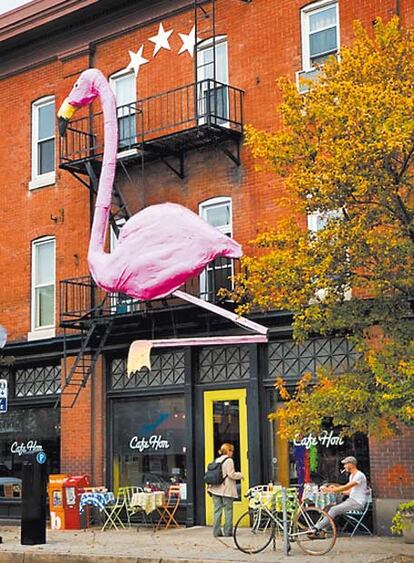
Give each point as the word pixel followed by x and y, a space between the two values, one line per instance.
pixel 321 499
pixel 97 499
pixel 148 502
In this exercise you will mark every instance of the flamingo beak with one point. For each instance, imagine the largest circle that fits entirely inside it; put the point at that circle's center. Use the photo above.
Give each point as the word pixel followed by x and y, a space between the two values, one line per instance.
pixel 64 115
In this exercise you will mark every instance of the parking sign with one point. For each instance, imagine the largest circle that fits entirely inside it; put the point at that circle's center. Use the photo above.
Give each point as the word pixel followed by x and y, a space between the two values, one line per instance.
pixel 3 395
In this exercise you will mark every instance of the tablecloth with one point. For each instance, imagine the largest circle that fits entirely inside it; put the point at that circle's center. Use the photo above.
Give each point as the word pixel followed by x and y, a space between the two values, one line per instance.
pixel 322 500
pixel 148 501
pixel 100 500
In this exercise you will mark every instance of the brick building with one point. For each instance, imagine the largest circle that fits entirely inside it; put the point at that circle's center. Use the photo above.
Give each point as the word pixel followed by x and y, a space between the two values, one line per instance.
pixel 181 114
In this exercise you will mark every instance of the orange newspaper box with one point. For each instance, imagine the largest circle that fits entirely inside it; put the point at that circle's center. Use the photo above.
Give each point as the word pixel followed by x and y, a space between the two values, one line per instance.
pixel 73 487
pixel 56 501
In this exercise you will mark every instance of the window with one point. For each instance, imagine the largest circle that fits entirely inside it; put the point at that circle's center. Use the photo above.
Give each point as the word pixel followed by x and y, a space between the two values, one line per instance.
pixel 149 442
pixel 318 220
pixel 213 96
pixel 43 284
pixel 124 87
pixel 320 33
pixel 217 212
pixel 43 142
pixel 26 430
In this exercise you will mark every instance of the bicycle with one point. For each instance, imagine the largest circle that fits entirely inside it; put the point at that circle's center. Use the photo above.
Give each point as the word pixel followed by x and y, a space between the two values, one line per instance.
pixel 258 527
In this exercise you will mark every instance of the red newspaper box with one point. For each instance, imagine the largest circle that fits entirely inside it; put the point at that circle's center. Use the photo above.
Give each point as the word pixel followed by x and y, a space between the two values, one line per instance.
pixel 73 488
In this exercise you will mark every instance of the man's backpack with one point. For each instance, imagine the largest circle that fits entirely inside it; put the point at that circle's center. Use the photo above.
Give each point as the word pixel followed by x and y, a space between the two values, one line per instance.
pixel 214 473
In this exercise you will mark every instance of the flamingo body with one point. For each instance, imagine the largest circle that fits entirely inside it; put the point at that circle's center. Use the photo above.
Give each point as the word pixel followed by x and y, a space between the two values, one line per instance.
pixel 160 247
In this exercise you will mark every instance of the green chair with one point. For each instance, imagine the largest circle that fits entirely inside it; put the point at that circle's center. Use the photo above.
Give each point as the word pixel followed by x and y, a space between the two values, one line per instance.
pixel 130 509
pixel 112 512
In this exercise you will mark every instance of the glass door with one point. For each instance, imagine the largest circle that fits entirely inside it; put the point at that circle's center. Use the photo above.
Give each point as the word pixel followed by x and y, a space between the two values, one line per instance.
pixel 225 420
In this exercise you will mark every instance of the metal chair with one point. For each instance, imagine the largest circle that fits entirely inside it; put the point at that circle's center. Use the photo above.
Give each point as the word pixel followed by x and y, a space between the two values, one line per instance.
pixel 131 509
pixel 169 508
pixel 355 518
pixel 112 512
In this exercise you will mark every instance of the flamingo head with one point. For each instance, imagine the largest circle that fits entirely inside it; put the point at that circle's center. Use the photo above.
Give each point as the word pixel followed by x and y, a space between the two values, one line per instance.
pixel 82 94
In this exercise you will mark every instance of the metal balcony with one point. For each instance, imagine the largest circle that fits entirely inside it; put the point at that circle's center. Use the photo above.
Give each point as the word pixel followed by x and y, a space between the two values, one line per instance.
pixel 165 125
pixel 82 301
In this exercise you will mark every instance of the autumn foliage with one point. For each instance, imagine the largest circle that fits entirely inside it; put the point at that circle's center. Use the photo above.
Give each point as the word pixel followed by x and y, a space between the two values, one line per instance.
pixel 346 153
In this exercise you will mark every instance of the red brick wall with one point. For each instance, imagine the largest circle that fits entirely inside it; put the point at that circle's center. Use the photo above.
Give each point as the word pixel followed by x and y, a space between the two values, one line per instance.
pixel 263 43
pixel 392 466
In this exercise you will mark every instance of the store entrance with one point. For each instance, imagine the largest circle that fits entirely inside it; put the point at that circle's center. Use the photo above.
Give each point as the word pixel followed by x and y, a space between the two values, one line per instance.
pixel 225 420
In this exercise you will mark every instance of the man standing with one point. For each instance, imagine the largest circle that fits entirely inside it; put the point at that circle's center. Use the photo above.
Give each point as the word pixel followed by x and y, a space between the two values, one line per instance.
pixel 356 488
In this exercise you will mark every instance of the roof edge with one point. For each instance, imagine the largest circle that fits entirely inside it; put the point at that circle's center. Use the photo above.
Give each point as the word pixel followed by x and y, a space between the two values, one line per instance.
pixel 37 13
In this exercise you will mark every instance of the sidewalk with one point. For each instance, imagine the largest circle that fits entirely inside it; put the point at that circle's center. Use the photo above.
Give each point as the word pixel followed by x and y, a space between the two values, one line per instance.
pixel 185 545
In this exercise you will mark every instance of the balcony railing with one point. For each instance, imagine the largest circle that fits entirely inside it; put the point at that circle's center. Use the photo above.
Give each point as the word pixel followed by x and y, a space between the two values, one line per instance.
pixel 207 105
pixel 81 299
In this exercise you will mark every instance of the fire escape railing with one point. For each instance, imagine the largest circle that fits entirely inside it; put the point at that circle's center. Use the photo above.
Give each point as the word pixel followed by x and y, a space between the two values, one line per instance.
pixel 204 104
pixel 82 300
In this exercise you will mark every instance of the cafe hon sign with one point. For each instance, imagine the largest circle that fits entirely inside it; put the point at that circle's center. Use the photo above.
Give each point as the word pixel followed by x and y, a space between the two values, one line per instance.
pixel 155 442
pixel 326 439
pixel 26 447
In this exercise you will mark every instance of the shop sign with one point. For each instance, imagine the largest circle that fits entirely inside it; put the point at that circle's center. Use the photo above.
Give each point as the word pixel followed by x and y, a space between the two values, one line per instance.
pixel 3 395
pixel 155 442
pixel 326 439
pixel 26 448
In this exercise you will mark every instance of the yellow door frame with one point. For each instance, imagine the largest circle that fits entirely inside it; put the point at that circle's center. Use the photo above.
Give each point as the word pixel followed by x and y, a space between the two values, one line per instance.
pixel 240 395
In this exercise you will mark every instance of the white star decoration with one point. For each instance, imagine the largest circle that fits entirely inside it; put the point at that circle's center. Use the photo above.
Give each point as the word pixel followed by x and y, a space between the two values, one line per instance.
pixel 136 60
pixel 188 42
pixel 161 39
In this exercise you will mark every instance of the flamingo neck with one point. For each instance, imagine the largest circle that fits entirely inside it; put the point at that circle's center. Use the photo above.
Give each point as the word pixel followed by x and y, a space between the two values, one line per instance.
pixel 106 179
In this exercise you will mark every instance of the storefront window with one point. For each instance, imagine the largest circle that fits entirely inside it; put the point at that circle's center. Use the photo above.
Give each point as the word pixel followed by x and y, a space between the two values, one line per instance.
pixel 316 458
pixel 149 446
pixel 25 430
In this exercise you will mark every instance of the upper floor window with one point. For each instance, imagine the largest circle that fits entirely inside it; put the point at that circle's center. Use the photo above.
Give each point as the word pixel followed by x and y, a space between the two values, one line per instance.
pixel 217 212
pixel 320 32
pixel 124 86
pixel 213 77
pixel 43 142
pixel 43 283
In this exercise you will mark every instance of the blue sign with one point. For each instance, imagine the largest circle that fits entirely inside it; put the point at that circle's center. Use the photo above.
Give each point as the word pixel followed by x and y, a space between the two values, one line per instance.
pixel 3 395
pixel 41 457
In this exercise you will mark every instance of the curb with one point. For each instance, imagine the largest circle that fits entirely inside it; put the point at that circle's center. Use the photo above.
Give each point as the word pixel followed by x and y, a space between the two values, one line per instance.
pixel 35 557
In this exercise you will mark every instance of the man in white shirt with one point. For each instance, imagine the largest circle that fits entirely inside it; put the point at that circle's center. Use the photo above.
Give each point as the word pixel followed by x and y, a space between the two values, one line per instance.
pixel 356 489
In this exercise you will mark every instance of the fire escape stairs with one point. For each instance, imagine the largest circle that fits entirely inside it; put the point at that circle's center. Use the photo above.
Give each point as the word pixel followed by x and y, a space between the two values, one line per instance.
pixel 93 339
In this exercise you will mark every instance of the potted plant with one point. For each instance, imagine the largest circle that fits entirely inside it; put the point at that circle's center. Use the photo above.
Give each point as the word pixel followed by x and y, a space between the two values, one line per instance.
pixel 403 521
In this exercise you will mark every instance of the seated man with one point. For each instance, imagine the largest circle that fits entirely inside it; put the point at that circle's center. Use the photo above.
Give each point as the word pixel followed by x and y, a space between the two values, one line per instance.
pixel 356 489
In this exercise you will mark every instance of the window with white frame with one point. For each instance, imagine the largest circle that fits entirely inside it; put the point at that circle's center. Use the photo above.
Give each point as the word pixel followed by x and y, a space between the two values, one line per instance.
pixel 213 96
pixel 124 87
pixel 320 32
pixel 43 283
pixel 218 274
pixel 43 142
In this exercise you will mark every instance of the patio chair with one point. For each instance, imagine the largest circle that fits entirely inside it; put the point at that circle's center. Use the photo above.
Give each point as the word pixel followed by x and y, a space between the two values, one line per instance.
pixel 354 519
pixel 169 508
pixel 130 509
pixel 112 512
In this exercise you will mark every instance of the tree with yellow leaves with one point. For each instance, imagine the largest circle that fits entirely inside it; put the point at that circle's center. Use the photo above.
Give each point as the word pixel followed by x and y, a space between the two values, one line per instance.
pixel 346 153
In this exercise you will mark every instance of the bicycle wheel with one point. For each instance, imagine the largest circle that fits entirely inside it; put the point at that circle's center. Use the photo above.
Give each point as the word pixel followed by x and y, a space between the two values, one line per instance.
pixel 310 539
pixel 253 531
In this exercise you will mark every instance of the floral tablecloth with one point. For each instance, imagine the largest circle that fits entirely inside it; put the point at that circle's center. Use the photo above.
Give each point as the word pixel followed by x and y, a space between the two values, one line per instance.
pixel 148 502
pixel 97 499
pixel 322 500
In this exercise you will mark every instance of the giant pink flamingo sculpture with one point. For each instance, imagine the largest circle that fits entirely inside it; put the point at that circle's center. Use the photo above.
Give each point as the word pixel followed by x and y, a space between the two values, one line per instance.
pixel 161 246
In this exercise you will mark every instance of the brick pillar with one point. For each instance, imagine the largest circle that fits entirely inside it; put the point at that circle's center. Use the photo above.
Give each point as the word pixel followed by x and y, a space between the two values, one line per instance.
pixel 392 475
pixel 76 431
pixel 98 425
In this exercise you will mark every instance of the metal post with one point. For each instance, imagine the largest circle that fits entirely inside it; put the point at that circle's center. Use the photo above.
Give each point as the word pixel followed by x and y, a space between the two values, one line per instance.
pixel 285 523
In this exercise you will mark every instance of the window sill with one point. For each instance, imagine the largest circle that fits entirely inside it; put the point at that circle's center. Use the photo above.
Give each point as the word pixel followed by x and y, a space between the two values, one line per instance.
pixel 41 334
pixel 42 181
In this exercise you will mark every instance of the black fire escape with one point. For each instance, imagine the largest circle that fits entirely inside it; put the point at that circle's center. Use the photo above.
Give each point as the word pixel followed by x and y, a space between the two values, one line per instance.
pixel 164 127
